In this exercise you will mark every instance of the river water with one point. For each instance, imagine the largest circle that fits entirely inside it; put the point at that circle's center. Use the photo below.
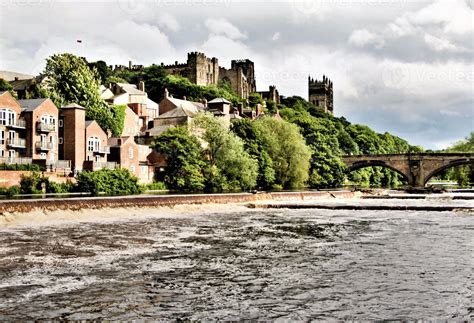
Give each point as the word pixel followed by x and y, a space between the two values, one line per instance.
pixel 230 262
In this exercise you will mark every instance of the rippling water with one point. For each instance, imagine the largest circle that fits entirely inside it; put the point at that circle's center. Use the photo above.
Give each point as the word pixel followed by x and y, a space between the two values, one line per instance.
pixel 236 263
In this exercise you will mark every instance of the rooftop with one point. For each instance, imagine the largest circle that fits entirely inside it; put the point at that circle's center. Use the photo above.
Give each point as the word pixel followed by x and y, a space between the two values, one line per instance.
pixel 31 104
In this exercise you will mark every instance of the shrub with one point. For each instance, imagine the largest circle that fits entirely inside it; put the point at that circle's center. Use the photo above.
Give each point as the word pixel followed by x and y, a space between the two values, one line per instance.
pixel 110 182
pixel 155 186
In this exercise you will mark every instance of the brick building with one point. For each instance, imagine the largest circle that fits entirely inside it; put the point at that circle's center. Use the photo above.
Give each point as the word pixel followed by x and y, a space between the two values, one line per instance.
pixel 12 131
pixel 41 117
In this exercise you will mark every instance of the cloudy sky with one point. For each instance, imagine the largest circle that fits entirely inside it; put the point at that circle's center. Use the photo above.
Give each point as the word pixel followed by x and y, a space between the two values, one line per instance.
pixel 402 66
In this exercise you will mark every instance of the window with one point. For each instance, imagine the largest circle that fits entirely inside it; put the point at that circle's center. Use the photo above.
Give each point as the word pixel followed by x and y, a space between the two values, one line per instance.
pixel 11 153
pixel 2 153
pixel 60 123
pixel 2 137
pixel 43 140
pixel 97 158
pixel 93 144
pixel 130 152
pixel 7 117
pixel 60 140
pixel 48 119
pixel 132 169
pixel 143 169
pixel 43 156
pixel 11 136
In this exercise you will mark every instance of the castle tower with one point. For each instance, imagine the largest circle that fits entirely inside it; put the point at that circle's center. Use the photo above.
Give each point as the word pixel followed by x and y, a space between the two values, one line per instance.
pixel 202 70
pixel 248 69
pixel 320 93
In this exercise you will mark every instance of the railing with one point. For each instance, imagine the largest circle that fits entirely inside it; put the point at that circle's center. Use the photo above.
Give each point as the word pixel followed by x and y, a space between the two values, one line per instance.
pixel 63 164
pixel 102 150
pixel 40 145
pixel 20 124
pixel 45 127
pixel 15 160
pixel 18 143
pixel 109 165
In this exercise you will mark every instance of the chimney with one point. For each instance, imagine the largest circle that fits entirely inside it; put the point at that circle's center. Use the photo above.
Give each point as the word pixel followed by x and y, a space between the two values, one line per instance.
pixel 241 108
pixel 167 94
pixel 184 97
pixel 141 86
pixel 130 65
pixel 16 78
pixel 109 133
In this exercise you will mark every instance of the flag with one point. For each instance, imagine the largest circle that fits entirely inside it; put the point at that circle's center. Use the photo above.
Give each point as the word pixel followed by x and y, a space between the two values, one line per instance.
pixel 79 41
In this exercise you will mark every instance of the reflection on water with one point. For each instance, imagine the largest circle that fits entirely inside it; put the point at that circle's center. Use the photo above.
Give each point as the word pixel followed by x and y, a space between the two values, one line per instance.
pixel 242 264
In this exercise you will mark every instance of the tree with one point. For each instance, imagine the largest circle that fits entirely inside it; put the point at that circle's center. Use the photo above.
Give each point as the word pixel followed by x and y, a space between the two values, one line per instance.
pixel 254 99
pixel 252 136
pixel 230 167
pixel 287 149
pixel 184 159
pixel 70 80
pixel 111 182
pixel 6 86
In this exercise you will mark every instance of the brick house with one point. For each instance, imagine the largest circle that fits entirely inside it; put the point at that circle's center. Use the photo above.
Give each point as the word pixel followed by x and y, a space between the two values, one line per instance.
pixel 41 117
pixel 96 146
pixel 128 154
pixel 12 131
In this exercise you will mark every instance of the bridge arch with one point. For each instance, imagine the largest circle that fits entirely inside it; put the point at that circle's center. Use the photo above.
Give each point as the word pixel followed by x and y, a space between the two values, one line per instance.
pixel 375 163
pixel 453 163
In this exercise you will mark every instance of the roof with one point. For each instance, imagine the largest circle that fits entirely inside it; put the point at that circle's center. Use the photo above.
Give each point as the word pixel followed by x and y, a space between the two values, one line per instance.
pixel 158 130
pixel 31 104
pixel 73 106
pixel 22 84
pixel 178 112
pixel 89 122
pixel 114 141
pixel 219 100
pixel 10 76
pixel 2 92
pixel 130 88
pixel 190 106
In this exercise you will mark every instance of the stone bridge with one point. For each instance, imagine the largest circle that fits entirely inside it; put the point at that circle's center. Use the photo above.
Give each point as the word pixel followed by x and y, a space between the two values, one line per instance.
pixel 417 168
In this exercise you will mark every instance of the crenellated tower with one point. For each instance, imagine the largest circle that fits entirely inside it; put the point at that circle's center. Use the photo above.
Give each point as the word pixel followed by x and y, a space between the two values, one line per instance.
pixel 320 93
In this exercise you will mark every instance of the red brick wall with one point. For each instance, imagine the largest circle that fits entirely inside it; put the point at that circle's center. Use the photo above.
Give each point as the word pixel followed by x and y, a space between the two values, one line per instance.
pixel 94 130
pixel 12 177
pixel 74 136
pixel 47 107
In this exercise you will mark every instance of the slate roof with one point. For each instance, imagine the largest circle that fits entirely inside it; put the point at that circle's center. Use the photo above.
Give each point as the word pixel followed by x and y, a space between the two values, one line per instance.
pixel 31 104
pixel 130 89
pixel 219 100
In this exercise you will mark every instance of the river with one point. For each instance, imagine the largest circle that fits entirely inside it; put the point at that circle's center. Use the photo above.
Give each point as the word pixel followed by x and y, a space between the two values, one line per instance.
pixel 231 263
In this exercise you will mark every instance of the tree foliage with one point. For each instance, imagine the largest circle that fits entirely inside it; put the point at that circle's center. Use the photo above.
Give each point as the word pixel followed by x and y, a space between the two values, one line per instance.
pixel 111 182
pixel 184 159
pixel 230 167
pixel 70 80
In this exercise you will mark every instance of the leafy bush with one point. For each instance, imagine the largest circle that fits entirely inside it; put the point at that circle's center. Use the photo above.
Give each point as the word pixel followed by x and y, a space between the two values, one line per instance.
pixel 155 186
pixel 111 182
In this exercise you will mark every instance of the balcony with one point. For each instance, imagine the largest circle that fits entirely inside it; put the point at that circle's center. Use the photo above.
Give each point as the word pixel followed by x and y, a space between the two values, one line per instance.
pixel 20 124
pixel 102 150
pixel 108 165
pixel 16 143
pixel 44 146
pixel 58 164
pixel 15 160
pixel 45 127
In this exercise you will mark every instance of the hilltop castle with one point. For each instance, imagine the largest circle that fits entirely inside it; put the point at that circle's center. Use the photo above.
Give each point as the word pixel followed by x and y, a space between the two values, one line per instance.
pixel 203 70
pixel 320 93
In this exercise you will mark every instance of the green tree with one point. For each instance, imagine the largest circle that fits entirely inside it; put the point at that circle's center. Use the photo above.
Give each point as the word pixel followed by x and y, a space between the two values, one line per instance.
pixel 70 80
pixel 287 149
pixel 184 159
pixel 230 166
pixel 6 86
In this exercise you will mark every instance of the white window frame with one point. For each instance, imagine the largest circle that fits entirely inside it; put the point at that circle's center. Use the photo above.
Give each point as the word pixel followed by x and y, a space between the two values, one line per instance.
pixel 60 140
pixel 7 117
pixel 130 152
pixel 2 137
pixel 60 122
pixel 93 144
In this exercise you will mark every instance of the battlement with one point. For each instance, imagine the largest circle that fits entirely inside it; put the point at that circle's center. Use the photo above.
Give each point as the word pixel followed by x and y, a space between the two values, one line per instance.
pixel 175 65
pixel 316 83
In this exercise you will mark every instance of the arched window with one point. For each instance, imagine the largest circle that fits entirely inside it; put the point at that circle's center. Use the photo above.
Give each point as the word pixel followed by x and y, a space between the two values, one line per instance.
pixel 93 144
pixel 7 117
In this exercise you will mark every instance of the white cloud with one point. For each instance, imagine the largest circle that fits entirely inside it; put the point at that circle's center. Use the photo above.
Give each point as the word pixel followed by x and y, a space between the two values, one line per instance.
pixel 439 44
pixel 221 26
pixel 166 20
pixel 276 36
pixel 363 37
